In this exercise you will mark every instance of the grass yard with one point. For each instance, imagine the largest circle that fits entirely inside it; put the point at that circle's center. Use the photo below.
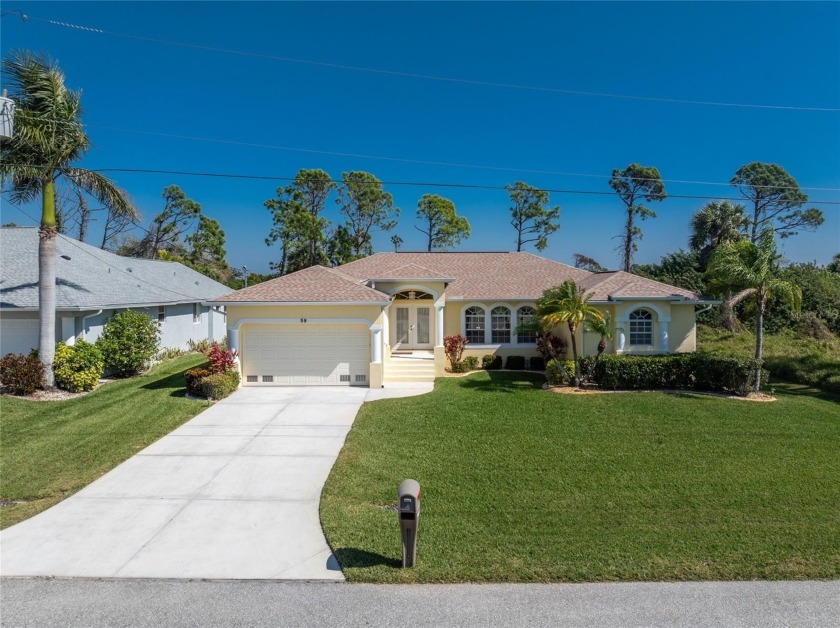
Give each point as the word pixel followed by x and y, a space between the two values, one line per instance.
pixel 523 485
pixel 51 449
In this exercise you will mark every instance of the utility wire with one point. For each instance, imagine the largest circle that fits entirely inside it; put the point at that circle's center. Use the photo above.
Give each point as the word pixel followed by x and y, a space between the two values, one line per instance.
pixel 425 162
pixel 427 77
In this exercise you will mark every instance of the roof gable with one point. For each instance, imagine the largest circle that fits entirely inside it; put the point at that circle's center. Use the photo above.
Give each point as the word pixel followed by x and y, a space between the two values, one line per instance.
pixel 619 284
pixel 316 284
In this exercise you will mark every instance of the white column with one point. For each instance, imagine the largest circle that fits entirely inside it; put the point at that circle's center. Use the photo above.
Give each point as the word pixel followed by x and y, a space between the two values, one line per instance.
pixel 233 339
pixel 620 339
pixel 438 325
pixel 376 344
pixel 663 336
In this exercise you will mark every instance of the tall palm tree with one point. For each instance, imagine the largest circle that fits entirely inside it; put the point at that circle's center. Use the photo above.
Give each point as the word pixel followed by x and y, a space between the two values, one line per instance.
pixel 49 139
pixel 567 304
pixel 751 269
pixel 716 223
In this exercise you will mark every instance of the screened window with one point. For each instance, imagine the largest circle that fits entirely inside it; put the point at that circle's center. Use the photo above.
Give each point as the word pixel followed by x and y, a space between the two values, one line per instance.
pixel 524 315
pixel 641 328
pixel 474 324
pixel 500 324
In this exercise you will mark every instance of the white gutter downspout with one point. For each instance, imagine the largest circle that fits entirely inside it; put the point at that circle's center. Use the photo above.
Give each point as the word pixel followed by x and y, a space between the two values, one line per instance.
pixel 84 318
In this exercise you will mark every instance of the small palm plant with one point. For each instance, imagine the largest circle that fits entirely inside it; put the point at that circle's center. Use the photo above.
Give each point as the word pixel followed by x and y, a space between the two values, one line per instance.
pixel 567 304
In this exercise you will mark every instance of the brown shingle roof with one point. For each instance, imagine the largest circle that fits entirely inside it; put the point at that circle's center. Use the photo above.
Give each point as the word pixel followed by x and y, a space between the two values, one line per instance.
pixel 477 275
pixel 310 285
pixel 618 283
pixel 414 271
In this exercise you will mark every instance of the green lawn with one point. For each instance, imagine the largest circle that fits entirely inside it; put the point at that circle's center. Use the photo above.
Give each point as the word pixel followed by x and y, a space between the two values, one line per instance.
pixel 51 449
pixel 519 484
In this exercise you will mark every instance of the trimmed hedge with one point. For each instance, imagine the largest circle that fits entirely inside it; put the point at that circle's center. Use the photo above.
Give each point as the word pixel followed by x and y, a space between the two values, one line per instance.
pixel 77 368
pixel 536 363
pixel 693 371
pixel 220 385
pixel 491 362
pixel 472 362
pixel 21 375
pixel 459 367
pixel 515 363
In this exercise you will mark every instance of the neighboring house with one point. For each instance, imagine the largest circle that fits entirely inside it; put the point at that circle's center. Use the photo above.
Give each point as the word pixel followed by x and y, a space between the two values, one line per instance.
pixel 373 321
pixel 92 284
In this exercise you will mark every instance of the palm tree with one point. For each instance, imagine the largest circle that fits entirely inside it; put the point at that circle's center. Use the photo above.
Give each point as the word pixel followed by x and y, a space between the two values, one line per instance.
pixel 603 327
pixel 716 223
pixel 750 268
pixel 49 139
pixel 567 304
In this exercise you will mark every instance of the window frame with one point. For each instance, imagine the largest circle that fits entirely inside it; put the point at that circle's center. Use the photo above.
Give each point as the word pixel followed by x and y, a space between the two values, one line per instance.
pixel 475 317
pixel 640 323
pixel 520 319
pixel 503 331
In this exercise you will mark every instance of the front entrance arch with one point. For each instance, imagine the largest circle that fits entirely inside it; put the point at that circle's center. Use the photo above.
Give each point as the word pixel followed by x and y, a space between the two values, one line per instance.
pixel 412 321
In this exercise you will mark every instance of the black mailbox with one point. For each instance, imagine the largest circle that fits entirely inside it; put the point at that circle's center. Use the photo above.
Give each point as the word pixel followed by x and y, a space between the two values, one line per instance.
pixel 408 496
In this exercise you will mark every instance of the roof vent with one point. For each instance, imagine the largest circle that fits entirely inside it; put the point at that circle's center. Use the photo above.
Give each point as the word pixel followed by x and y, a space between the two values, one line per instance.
pixel 67 257
pixel 129 269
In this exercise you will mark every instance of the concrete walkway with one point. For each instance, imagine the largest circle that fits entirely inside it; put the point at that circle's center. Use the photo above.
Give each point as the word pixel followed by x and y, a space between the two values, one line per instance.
pixel 232 494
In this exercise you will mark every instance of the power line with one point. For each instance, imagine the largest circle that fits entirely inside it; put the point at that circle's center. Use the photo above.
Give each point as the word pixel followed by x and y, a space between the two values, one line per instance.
pixel 406 160
pixel 469 186
pixel 427 77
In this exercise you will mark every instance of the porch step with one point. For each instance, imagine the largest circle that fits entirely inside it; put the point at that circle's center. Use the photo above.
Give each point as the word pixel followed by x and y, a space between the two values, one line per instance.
pixel 409 370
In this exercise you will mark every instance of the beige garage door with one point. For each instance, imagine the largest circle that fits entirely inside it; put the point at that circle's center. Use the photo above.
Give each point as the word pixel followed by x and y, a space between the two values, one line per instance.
pixel 302 354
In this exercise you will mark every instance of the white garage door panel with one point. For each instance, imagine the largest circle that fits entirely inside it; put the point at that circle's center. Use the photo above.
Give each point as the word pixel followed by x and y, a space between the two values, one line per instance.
pixel 305 354
pixel 18 335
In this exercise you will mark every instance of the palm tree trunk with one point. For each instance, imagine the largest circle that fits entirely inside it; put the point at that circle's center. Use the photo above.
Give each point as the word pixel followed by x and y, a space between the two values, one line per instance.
pixel 576 378
pixel 759 338
pixel 46 282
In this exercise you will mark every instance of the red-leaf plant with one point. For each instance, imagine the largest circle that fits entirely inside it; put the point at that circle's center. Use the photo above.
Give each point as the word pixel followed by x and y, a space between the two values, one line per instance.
pixel 221 360
pixel 453 347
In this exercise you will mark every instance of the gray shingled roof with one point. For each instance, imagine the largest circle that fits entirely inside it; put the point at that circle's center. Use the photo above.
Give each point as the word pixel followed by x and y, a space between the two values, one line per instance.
pixel 90 278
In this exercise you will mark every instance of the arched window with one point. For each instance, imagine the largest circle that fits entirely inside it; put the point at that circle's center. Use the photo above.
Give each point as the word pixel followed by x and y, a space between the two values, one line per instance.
pixel 500 324
pixel 474 324
pixel 523 315
pixel 641 327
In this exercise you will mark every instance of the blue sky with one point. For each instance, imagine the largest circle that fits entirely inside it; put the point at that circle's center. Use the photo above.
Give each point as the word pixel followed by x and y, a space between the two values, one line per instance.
pixel 750 53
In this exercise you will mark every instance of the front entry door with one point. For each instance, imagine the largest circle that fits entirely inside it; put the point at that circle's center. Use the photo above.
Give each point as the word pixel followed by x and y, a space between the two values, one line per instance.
pixel 413 329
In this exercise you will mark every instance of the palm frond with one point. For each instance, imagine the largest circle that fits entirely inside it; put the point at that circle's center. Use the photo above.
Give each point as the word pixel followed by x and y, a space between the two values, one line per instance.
pixel 103 190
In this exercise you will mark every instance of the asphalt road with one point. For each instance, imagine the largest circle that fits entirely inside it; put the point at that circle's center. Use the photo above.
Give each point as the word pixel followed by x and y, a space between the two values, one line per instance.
pixel 90 603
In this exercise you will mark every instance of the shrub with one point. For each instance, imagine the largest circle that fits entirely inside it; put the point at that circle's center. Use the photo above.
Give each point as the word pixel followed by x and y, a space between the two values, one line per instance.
pixel 200 346
pixel 491 362
pixel 21 375
pixel 550 346
pixel 587 367
pixel 77 368
pixel 813 326
pixel 460 367
pixel 220 385
pixel 697 371
pixel 515 363
pixel 221 360
pixel 819 371
pixel 560 372
pixel 194 378
pixel 128 342
pixel 169 353
pixel 472 362
pixel 453 347
pixel 536 363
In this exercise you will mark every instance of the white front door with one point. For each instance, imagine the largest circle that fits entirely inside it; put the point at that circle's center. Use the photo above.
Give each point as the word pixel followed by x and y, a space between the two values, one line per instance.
pixel 412 327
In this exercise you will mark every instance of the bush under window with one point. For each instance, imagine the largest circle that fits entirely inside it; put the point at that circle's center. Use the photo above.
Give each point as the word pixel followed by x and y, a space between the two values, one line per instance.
pixel 128 342
pixel 515 363
pixel 491 362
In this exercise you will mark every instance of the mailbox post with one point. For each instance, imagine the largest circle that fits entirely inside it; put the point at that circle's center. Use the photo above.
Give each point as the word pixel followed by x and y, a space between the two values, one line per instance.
pixel 408 495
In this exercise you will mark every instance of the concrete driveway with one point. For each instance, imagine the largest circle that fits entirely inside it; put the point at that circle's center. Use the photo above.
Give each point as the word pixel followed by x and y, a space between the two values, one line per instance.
pixel 232 494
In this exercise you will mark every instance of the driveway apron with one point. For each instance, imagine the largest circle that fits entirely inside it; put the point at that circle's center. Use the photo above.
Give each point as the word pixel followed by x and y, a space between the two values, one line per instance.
pixel 232 494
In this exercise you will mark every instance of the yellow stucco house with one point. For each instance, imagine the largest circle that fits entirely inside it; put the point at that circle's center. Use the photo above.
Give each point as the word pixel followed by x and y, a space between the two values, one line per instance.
pixel 382 319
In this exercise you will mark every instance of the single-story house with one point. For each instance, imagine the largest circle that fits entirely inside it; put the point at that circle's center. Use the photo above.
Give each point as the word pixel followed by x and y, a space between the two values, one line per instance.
pixel 92 284
pixel 382 319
